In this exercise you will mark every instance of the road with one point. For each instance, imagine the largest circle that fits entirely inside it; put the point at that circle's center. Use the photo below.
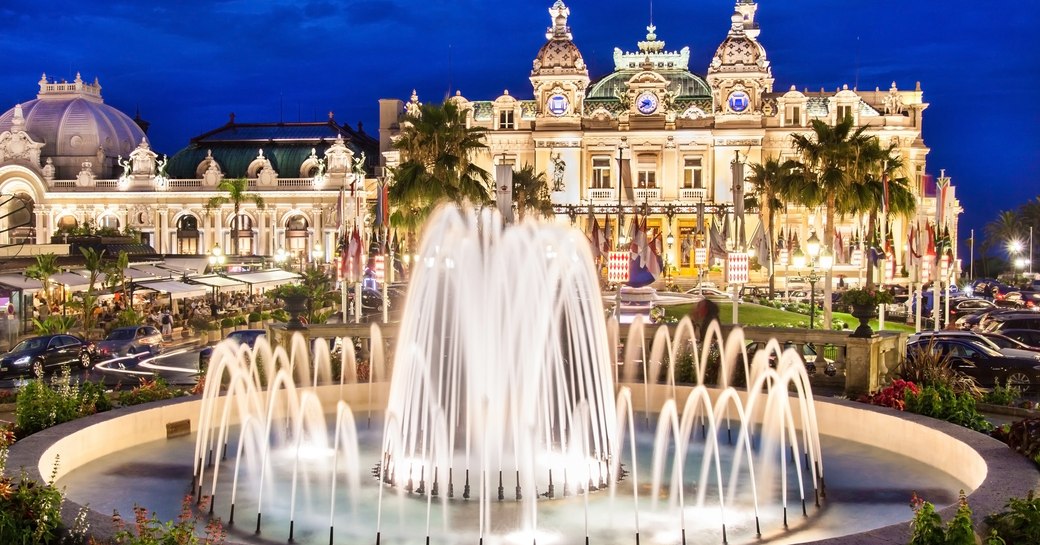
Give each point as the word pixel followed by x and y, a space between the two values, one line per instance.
pixel 177 366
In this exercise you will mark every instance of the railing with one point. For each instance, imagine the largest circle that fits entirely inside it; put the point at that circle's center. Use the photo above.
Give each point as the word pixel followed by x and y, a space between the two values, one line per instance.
pixel 602 194
pixel 63 184
pixel 105 184
pixel 643 194
pixel 692 194
pixel 185 184
pixel 296 182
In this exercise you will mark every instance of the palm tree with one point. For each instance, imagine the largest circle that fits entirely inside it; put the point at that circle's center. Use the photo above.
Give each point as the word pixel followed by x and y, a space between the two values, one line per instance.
pixel 831 163
pixel 875 164
pixel 772 183
pixel 1006 227
pixel 531 192
pixel 236 195
pixel 438 148
pixel 93 262
pixel 45 267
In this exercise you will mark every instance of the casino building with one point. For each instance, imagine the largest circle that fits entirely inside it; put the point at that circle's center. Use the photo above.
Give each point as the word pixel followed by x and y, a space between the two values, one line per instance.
pixel 684 136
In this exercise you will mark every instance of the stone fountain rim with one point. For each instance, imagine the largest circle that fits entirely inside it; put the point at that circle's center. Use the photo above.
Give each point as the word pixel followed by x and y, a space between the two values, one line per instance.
pixel 1005 469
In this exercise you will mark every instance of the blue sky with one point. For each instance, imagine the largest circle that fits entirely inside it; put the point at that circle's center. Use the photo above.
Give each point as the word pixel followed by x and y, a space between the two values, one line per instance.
pixel 188 64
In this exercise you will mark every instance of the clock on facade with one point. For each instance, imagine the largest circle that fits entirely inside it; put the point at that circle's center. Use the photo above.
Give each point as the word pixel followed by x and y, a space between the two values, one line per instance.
pixel 738 101
pixel 557 104
pixel 646 103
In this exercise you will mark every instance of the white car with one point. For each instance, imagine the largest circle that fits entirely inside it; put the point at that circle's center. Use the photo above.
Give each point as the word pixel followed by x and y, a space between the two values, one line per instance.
pixel 710 293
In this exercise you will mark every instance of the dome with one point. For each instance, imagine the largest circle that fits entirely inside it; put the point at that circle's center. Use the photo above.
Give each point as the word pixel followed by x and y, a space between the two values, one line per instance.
pixel 740 50
pixel 72 121
pixel 559 55
pixel 683 82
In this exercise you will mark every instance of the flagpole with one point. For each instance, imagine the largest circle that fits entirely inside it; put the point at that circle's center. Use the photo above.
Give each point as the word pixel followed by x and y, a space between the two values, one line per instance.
pixel 971 262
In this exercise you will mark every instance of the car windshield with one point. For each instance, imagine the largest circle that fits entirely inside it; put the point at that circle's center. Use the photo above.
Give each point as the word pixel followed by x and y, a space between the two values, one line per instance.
pixel 30 344
pixel 121 335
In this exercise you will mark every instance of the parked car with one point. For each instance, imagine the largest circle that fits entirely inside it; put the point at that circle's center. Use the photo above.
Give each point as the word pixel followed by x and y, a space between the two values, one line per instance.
pixel 243 336
pixel 1005 341
pixel 1013 320
pixel 711 293
pixel 47 351
pixel 987 366
pixel 1028 337
pixel 808 354
pixel 131 341
pixel 1010 350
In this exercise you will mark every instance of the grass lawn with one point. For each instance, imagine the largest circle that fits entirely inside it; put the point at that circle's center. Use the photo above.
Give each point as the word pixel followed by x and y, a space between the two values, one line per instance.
pixel 758 315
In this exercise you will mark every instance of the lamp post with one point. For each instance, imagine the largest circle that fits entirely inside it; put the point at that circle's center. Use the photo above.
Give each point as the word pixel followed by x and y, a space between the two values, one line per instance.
pixel 217 258
pixel 1015 249
pixel 280 257
pixel 670 240
pixel 816 256
pixel 318 253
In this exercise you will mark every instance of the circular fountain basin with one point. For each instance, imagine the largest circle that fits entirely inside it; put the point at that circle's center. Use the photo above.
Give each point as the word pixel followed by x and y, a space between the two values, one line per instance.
pixel 875 458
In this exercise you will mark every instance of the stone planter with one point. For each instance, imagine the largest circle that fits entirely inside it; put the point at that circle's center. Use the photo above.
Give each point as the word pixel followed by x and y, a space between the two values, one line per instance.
pixel 214 335
pixel 255 325
pixel 864 314
pixel 225 331
pixel 295 305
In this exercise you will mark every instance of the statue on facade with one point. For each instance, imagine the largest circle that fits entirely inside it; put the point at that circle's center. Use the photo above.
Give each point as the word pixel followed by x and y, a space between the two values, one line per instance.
pixel 559 166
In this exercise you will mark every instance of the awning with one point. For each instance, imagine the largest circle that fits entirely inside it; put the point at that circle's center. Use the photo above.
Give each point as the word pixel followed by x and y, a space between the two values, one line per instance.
pixel 266 279
pixel 152 270
pixel 186 265
pixel 17 281
pixel 138 275
pixel 75 282
pixel 220 282
pixel 177 290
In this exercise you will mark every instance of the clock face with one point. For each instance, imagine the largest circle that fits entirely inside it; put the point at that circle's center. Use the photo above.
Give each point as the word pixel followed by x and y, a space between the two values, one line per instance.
pixel 738 101
pixel 557 105
pixel 646 103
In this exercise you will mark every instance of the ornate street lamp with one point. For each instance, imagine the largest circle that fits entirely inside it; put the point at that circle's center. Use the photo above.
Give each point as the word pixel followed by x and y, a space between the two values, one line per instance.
pixel 818 257
pixel 217 259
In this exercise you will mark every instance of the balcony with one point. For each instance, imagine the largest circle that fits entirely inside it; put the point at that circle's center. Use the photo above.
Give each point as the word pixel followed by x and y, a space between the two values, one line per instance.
pixel 693 194
pixel 602 194
pixel 647 194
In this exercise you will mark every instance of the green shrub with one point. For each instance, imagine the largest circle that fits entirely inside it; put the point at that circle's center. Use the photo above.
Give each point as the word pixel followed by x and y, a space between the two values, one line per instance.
pixel 928 367
pixel 227 322
pixel 1005 395
pixel 1024 437
pixel 943 403
pixel 41 405
pixel 149 530
pixel 927 527
pixel 30 512
pixel 147 391
pixel 254 317
pixel 1019 522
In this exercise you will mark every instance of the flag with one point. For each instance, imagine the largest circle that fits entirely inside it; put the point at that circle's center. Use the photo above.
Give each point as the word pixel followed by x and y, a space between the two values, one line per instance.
pixel 596 240
pixel 356 254
pixel 911 245
pixel 625 166
pixel 340 205
pixel 382 208
pixel 839 247
pixel 654 264
pixel 608 236
pixel 931 242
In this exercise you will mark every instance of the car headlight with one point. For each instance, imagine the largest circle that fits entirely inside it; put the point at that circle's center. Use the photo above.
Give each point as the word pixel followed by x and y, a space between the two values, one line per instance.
pixel 22 360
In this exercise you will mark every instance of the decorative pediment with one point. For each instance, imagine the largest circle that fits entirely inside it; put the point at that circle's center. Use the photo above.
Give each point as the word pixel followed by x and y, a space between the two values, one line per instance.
pixel 19 146
pixel 143 159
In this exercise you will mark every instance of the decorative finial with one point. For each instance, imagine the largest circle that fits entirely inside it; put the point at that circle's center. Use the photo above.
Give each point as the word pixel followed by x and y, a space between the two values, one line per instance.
pixel 559 31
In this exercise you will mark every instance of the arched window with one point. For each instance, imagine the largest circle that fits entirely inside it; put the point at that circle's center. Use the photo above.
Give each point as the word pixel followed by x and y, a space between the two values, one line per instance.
pixel 296 234
pixel 66 223
pixel 108 222
pixel 19 218
pixel 188 235
pixel 242 229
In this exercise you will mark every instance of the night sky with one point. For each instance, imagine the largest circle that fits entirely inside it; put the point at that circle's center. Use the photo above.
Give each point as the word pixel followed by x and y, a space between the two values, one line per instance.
pixel 187 64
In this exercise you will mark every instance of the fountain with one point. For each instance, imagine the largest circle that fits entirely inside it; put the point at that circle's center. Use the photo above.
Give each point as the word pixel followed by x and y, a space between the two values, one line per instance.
pixel 505 418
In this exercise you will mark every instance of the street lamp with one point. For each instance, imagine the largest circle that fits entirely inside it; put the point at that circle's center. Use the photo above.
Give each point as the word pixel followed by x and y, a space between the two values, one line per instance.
pixel 1015 249
pixel 318 254
pixel 217 259
pixel 824 259
pixel 280 257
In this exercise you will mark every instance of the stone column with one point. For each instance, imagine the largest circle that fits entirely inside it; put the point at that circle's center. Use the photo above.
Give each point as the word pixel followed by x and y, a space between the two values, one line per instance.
pixel 43 235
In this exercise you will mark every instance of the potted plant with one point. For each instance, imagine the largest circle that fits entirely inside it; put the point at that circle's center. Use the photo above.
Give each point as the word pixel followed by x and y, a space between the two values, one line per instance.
pixel 213 331
pixel 296 297
pixel 240 323
pixel 863 304
pixel 255 320
pixel 227 325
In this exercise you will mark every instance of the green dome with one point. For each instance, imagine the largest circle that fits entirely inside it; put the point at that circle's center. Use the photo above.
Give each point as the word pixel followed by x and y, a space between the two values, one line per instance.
pixel 684 82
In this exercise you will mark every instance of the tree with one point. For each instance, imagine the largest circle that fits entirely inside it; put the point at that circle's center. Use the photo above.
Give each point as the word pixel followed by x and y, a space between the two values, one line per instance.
pixel 236 195
pixel 772 183
pixel 438 148
pixel 531 192
pixel 93 262
pixel 1007 226
pixel 830 159
pixel 874 165
pixel 45 267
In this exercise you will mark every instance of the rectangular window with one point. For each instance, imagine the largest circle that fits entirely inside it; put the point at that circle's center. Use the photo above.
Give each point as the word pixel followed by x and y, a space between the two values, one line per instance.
pixel 601 173
pixel 647 178
pixel 794 116
pixel 505 119
pixel 844 112
pixel 692 173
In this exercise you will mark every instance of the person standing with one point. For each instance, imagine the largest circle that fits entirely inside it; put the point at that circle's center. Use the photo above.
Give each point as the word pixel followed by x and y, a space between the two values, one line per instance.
pixel 167 323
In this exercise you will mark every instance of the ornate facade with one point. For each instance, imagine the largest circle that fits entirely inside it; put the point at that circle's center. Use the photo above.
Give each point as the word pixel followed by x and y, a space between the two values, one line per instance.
pixel 68 159
pixel 683 138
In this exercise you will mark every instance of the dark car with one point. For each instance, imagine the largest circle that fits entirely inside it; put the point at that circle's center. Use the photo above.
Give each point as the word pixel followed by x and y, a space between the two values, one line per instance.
pixel 987 366
pixel 46 351
pixel 1028 337
pixel 244 336
pixel 1013 320
pixel 1006 341
pixel 130 341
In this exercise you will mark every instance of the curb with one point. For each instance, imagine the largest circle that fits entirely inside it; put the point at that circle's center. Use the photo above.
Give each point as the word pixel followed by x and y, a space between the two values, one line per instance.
pixel 1008 411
